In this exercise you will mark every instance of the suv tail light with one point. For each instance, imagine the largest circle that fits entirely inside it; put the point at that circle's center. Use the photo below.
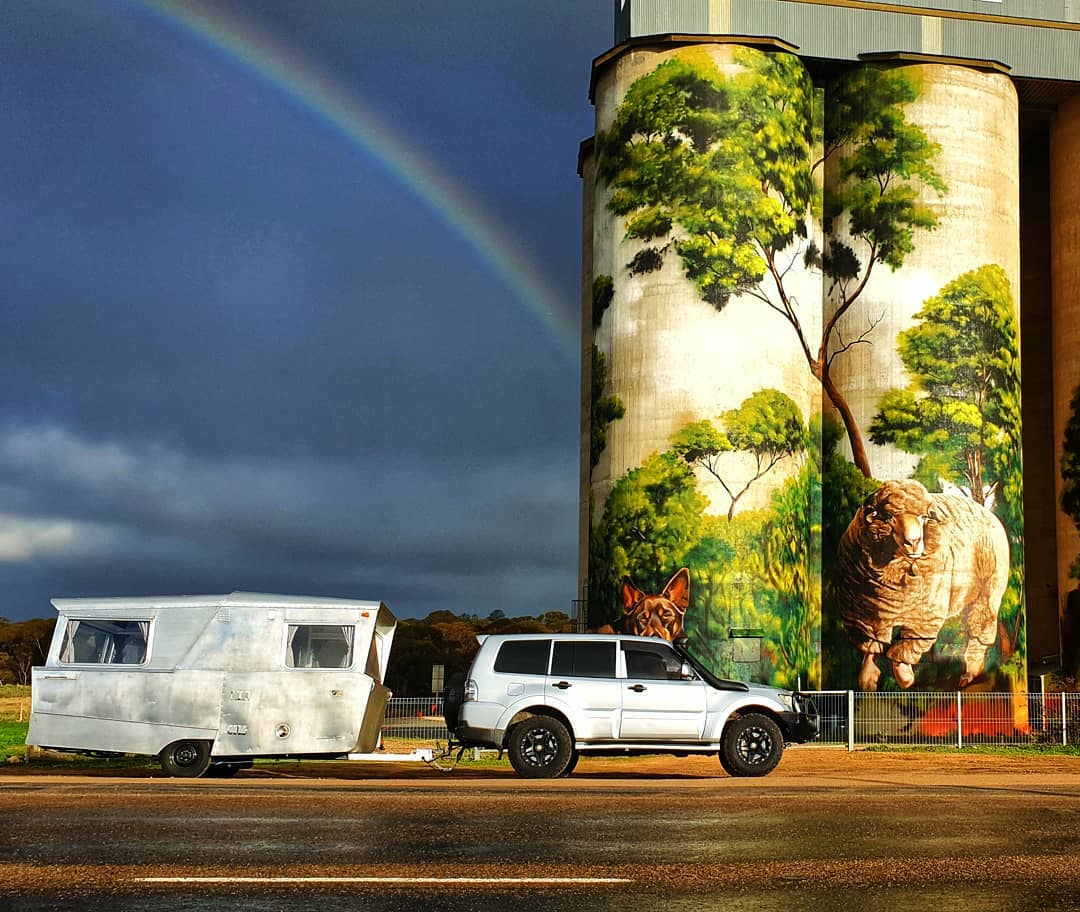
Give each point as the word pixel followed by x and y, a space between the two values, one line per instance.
pixel 470 692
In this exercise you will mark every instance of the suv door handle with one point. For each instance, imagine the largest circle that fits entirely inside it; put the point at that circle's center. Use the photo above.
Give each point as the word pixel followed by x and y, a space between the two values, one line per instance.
pixel 637 688
pixel 562 685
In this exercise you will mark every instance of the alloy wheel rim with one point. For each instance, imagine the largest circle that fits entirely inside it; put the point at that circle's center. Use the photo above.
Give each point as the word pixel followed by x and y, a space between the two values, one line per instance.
pixel 754 745
pixel 539 747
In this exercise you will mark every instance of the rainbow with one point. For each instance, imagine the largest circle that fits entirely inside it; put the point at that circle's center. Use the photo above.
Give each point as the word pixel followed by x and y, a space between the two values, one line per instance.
pixel 343 111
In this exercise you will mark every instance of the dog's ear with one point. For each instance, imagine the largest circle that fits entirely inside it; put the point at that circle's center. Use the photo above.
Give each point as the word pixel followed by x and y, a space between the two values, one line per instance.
pixel 678 590
pixel 629 595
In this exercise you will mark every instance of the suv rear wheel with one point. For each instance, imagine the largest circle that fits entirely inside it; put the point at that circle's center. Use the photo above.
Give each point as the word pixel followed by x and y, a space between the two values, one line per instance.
pixel 540 748
pixel 752 745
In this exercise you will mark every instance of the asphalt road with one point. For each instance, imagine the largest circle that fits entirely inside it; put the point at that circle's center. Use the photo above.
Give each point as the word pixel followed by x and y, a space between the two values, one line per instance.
pixel 825 832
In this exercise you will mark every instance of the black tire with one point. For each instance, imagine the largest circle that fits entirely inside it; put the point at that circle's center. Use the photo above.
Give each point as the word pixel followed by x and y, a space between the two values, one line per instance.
pixel 540 748
pixel 453 697
pixel 574 757
pixel 752 745
pixel 186 759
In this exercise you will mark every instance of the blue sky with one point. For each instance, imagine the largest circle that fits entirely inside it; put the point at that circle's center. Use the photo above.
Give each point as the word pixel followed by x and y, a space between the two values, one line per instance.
pixel 241 351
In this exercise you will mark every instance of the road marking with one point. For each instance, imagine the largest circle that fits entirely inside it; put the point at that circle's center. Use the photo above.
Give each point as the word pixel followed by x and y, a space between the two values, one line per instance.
pixel 387 880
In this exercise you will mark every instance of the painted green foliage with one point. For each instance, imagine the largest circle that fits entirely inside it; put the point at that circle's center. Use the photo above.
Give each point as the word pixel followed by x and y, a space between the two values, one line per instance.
pixel 720 169
pixel 604 408
pixel 961 413
pixel 655 521
pixel 1070 472
pixel 767 425
pixel 963 358
pixel 721 165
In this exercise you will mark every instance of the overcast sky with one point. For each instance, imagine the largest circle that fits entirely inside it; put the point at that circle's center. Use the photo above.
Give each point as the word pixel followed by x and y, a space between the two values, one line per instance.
pixel 290 296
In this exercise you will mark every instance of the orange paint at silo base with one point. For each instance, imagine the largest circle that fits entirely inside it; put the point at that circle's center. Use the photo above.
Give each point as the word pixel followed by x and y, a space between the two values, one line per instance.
pixel 979 718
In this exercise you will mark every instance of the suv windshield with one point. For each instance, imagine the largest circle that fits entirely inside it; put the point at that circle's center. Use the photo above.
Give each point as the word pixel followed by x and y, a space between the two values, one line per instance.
pixel 719 683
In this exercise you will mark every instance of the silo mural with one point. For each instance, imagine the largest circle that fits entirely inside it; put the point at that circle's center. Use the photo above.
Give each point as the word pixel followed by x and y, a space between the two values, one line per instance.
pixel 705 478
pixel 925 573
pixel 805 381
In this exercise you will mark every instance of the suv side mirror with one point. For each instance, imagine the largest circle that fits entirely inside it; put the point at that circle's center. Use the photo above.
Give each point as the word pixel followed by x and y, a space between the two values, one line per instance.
pixel 686 673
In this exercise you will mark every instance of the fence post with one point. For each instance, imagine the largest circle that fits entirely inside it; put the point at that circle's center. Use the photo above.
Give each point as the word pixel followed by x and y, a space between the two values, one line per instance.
pixel 1064 726
pixel 959 722
pixel 851 720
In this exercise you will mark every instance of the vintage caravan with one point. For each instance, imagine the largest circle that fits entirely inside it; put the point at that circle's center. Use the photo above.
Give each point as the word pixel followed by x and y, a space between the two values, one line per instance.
pixel 211 682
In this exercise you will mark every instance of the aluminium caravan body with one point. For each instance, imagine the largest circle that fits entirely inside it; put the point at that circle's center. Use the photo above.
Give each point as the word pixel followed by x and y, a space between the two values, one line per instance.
pixel 201 680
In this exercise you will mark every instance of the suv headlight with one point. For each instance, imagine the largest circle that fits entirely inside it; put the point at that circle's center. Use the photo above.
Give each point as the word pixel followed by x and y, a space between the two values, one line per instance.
pixel 788 700
pixel 470 692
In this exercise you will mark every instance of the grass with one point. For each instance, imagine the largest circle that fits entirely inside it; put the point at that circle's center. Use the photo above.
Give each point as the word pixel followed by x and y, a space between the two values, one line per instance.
pixel 997 750
pixel 12 740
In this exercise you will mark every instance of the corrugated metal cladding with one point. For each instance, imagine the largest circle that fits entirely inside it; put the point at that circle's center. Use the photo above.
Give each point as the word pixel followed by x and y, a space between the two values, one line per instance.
pixel 843 33
pixel 655 17
pixel 1053 10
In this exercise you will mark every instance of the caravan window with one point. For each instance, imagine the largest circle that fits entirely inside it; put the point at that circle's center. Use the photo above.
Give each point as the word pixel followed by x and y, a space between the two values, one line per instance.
pixel 105 642
pixel 319 646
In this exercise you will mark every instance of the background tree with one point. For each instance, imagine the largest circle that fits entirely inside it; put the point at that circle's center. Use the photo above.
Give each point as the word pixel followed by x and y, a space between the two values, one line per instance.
pixel 767 425
pixel 22 646
pixel 720 170
pixel 443 638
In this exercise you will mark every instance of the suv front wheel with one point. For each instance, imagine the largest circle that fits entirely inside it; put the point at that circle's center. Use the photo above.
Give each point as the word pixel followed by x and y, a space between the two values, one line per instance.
pixel 752 745
pixel 540 748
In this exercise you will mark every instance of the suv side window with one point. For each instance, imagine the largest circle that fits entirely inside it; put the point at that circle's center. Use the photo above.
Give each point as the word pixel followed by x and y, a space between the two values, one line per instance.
pixel 529 657
pixel 652 662
pixel 584 660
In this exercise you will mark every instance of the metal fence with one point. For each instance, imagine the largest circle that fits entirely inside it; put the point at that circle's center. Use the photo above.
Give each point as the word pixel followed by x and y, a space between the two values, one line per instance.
pixel 851 719
pixel 415 719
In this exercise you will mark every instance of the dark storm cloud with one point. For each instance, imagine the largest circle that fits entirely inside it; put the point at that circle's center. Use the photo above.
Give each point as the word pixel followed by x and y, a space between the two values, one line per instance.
pixel 237 352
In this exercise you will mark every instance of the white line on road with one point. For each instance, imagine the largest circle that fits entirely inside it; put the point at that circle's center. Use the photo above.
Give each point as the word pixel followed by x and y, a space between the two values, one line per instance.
pixel 386 880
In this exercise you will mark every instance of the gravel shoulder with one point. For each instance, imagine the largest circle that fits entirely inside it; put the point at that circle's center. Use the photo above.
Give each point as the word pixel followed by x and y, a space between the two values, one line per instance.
pixel 801 766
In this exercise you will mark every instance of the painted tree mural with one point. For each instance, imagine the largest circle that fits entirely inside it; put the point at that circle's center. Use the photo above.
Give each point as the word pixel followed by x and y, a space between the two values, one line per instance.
pixel 720 170
pixel 767 425
pixel 963 358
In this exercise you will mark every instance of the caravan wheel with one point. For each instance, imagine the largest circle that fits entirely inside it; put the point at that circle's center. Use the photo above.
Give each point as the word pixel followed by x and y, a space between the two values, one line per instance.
pixel 186 759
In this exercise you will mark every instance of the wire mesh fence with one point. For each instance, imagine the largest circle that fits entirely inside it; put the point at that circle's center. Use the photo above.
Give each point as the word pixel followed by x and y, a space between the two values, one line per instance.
pixel 851 719
pixel 415 719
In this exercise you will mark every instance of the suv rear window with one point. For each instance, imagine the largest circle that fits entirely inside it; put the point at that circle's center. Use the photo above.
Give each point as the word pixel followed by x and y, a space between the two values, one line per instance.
pixel 584 660
pixel 529 657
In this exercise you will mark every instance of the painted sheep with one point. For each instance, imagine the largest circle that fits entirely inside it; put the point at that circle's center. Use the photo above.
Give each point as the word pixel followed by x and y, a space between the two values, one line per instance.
pixel 910 559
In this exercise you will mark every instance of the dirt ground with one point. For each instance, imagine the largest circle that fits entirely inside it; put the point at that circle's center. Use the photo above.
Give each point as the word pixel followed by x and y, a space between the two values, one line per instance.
pixel 800 766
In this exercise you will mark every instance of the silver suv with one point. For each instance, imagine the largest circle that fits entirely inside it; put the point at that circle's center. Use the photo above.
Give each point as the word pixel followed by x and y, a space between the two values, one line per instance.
pixel 548 698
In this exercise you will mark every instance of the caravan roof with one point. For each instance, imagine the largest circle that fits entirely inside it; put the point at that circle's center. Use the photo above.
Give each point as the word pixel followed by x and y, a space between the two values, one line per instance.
pixel 230 600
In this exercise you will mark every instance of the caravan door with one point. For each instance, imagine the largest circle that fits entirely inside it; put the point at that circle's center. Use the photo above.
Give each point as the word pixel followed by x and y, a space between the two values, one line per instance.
pixel 314 704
